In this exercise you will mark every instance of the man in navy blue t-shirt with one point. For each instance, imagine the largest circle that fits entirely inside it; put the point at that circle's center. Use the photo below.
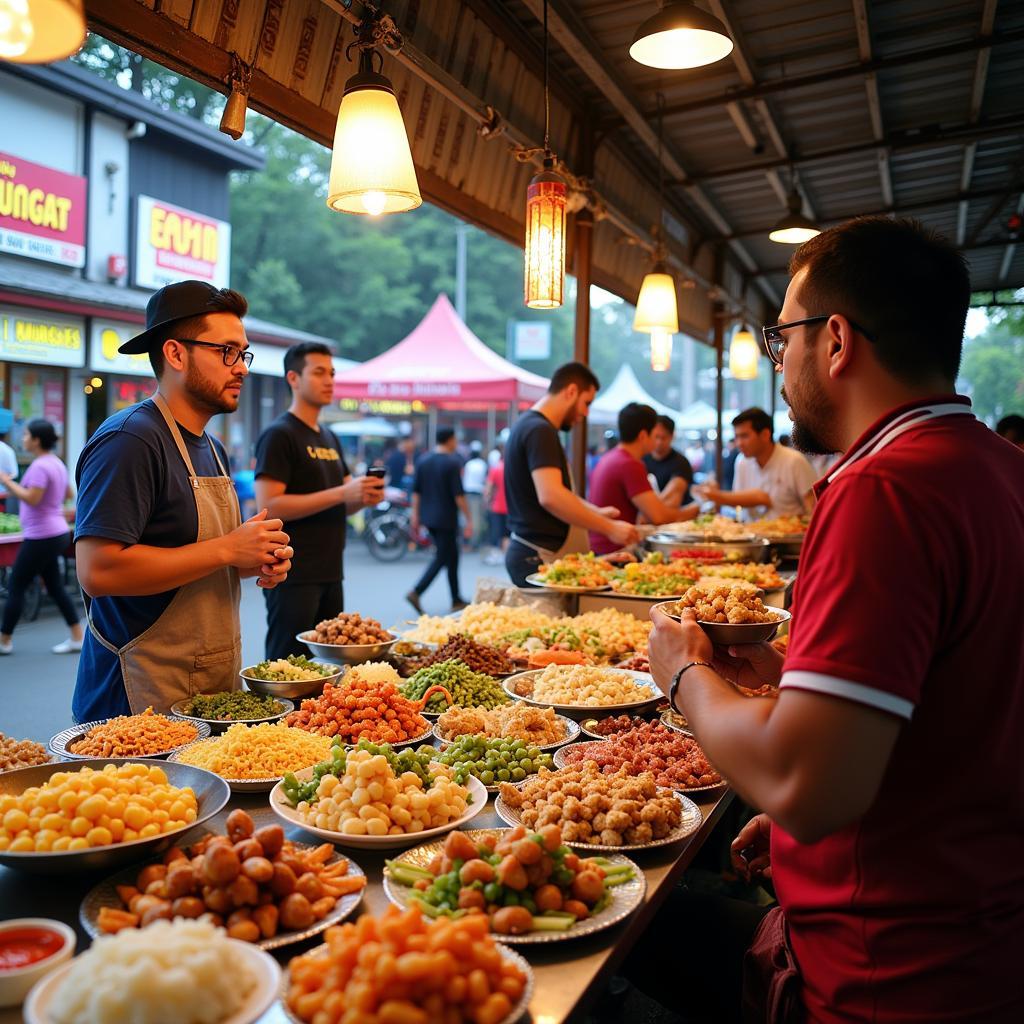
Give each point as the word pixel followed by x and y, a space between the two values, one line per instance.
pixel 159 543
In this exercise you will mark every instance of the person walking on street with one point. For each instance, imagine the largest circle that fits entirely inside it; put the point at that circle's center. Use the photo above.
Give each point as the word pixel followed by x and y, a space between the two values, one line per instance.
pixel 159 541
pixel 497 510
pixel 542 508
pixel 474 479
pixel 42 493
pixel 437 499
pixel 303 480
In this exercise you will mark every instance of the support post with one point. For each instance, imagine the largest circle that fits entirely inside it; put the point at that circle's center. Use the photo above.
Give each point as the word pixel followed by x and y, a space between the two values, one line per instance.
pixel 584 249
pixel 718 314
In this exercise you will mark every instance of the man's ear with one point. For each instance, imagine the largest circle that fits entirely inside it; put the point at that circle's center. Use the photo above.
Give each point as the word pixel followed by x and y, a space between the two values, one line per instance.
pixel 840 337
pixel 174 354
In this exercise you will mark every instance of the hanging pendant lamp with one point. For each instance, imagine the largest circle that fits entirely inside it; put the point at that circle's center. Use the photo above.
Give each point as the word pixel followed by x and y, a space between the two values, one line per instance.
pixel 40 31
pixel 794 228
pixel 744 356
pixel 371 164
pixel 680 36
pixel 661 350
pixel 546 201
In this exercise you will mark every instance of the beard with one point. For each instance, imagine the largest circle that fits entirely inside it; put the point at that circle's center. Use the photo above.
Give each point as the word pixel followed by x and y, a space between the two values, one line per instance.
pixel 206 395
pixel 812 412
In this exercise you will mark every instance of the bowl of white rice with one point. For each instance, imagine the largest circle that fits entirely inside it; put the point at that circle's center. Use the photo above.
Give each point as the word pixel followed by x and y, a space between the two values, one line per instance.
pixel 180 970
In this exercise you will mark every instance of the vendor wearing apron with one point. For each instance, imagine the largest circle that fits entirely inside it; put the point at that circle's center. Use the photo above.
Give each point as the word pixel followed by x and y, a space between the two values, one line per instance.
pixel 159 541
pixel 546 518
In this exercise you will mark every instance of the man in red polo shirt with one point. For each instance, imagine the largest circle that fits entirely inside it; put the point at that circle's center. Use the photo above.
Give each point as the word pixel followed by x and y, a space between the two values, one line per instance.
pixel 889 769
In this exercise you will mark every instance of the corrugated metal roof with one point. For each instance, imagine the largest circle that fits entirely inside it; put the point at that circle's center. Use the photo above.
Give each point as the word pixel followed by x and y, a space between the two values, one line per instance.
pixel 464 59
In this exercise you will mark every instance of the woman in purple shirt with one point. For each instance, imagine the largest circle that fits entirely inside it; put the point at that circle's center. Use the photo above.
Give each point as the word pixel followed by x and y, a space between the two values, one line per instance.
pixel 43 488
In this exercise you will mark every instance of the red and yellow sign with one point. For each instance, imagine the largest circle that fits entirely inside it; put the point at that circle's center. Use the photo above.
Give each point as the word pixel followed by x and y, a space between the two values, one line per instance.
pixel 172 244
pixel 42 212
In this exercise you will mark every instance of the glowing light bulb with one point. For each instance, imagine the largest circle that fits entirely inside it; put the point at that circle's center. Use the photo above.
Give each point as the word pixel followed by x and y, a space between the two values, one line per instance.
pixel 16 30
pixel 373 202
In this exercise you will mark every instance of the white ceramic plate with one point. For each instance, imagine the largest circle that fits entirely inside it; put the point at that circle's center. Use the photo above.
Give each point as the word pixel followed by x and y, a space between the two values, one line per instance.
pixel 264 967
pixel 520 686
pixel 563 588
pixel 284 810
pixel 625 898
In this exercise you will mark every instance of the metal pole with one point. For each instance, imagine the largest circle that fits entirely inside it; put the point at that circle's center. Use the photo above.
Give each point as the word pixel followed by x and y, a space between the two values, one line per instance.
pixel 431 427
pixel 584 241
pixel 718 313
pixel 492 427
pixel 460 270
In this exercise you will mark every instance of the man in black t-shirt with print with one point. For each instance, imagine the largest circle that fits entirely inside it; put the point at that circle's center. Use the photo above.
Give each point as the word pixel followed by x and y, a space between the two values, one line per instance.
pixel 302 478
pixel 541 504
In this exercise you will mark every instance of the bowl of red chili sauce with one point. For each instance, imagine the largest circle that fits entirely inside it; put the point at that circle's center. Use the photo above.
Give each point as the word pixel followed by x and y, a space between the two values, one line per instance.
pixel 30 947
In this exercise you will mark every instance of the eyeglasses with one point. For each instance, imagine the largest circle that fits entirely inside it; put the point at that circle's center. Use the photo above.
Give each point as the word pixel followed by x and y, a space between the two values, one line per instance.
pixel 775 343
pixel 229 353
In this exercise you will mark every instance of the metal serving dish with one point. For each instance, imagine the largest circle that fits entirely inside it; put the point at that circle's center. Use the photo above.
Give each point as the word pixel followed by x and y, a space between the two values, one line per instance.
pixel 293 688
pixel 757 550
pixel 348 654
pixel 736 632
pixel 61 743
pixel 212 793
pixel 222 724
pixel 786 547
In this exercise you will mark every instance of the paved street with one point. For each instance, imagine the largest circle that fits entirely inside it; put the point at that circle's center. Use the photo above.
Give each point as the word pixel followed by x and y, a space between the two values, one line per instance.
pixel 36 686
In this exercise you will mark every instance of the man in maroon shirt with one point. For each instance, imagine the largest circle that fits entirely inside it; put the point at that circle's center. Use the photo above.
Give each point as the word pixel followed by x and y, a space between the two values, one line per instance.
pixel 620 477
pixel 889 769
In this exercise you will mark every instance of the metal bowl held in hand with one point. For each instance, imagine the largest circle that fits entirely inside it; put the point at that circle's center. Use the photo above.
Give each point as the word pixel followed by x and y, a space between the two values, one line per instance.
pixel 212 793
pixel 757 550
pixel 293 688
pixel 723 633
pixel 347 654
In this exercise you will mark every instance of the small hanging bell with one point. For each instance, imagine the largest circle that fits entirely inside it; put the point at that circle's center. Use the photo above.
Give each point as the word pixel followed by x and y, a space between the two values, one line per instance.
pixel 232 121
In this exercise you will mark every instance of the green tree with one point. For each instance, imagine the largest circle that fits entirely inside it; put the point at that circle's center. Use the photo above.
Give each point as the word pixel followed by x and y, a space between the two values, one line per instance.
pixel 993 364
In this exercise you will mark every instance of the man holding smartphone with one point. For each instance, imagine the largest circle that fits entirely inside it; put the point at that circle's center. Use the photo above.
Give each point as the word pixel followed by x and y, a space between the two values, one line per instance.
pixel 302 478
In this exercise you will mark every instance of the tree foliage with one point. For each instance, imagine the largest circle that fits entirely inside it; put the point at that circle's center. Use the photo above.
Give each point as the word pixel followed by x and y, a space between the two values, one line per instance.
pixel 992 370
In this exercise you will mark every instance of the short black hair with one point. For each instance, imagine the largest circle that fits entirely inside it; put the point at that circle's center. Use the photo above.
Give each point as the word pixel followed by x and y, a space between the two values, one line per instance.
pixel 905 285
pixel 634 419
pixel 757 418
pixel 573 373
pixel 44 432
pixel 1011 427
pixel 226 300
pixel 668 423
pixel 295 357
pixel 444 435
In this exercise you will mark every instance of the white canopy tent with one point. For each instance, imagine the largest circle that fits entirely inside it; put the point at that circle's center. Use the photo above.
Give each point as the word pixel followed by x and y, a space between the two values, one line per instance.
pixel 625 388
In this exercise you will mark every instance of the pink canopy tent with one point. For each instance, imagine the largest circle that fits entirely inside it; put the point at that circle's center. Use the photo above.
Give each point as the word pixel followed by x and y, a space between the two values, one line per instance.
pixel 441 361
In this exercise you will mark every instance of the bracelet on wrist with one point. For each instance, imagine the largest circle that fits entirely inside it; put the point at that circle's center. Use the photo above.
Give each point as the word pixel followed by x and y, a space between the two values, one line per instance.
pixel 678 678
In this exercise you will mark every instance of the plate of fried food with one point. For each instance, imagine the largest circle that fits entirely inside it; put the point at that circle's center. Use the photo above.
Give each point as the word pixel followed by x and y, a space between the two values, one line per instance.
pixel 575 573
pixel 348 638
pixel 598 811
pixel 143 735
pixel 579 689
pixel 539 727
pixel 676 761
pixel 558 895
pixel 729 613
pixel 609 725
pixel 262 887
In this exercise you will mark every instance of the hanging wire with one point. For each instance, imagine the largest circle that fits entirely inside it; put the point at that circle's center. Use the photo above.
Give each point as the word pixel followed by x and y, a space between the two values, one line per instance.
pixel 547 100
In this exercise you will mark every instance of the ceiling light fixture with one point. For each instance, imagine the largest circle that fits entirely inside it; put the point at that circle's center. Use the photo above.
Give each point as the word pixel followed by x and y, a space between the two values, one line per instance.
pixel 372 170
pixel 794 228
pixel 40 31
pixel 546 200
pixel 744 356
pixel 680 36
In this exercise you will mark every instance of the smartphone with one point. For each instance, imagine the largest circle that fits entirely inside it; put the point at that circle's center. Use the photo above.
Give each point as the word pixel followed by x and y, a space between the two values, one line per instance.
pixel 377 471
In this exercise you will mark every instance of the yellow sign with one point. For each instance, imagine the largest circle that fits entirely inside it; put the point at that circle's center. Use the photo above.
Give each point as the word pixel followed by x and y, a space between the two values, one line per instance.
pixel 381 406
pixel 106 337
pixel 45 338
pixel 173 243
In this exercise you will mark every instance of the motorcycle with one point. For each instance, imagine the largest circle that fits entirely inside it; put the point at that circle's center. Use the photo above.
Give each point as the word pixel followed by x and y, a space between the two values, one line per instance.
pixel 388 527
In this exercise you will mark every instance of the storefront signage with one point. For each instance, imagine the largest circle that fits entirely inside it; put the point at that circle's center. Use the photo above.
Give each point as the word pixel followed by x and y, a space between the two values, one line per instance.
pixel 532 339
pixel 28 336
pixel 106 337
pixel 172 244
pixel 383 407
pixel 42 212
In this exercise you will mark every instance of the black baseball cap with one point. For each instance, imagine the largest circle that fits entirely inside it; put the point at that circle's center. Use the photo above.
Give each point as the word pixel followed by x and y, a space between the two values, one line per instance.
pixel 177 301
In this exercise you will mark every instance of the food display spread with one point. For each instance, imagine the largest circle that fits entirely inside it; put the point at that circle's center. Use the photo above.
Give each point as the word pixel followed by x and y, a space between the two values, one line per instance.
pixel 84 808
pixel 404 964
pixel 348 629
pixel 254 882
pixel 516 721
pixel 493 761
pixel 21 753
pixel 724 603
pixel 239 705
pixel 489 659
pixel 296 668
pixel 583 686
pixel 455 684
pixel 676 761
pixel 257 751
pixel 366 704
pixel 372 791
pixel 593 808
pixel 584 571
pixel 134 736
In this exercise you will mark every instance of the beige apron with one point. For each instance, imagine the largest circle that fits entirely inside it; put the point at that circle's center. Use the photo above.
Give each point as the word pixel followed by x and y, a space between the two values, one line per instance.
pixel 195 646
pixel 577 541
